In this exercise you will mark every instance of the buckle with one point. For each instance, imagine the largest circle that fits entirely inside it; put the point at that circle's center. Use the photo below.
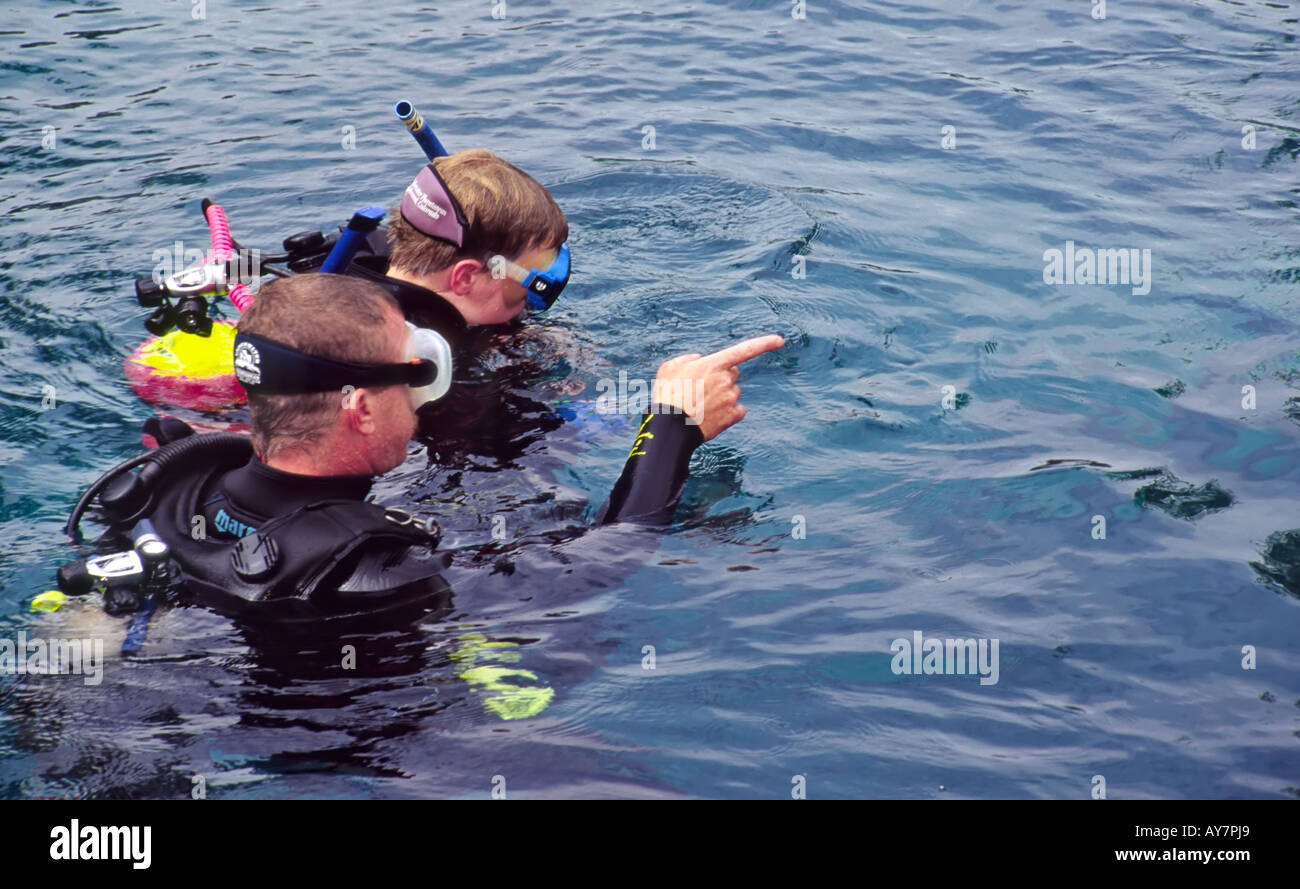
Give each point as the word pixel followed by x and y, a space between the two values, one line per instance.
pixel 402 519
pixel 397 516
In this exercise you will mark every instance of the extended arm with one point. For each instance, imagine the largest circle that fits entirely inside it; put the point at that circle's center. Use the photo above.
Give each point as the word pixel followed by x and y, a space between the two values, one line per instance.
pixel 695 399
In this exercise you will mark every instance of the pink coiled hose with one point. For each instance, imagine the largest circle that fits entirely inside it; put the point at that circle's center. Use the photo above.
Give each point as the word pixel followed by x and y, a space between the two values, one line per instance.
pixel 223 250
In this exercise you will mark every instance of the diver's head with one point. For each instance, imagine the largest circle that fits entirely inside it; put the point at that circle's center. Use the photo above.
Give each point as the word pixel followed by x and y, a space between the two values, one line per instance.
pixel 307 331
pixel 464 210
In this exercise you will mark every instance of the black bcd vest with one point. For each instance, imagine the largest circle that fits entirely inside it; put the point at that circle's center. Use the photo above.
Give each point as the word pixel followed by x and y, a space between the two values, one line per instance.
pixel 328 561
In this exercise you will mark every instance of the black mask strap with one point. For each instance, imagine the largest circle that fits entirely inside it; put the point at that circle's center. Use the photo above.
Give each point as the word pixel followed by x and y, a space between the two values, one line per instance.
pixel 270 368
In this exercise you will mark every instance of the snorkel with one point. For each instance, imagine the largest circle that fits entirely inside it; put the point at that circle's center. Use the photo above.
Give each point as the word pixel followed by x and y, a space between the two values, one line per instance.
pixel 366 220
pixel 414 121
pixel 362 223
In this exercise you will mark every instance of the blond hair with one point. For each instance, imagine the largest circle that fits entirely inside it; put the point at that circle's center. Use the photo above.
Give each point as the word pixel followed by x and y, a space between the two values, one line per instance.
pixel 508 212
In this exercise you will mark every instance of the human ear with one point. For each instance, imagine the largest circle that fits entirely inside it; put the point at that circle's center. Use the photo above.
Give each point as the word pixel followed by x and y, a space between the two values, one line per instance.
pixel 361 412
pixel 461 279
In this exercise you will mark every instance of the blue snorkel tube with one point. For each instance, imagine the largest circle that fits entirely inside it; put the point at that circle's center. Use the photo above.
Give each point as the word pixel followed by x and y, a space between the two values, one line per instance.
pixel 414 121
pixel 362 223
pixel 366 220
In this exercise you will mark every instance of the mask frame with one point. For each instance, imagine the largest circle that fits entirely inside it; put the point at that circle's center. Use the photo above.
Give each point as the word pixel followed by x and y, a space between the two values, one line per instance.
pixel 543 287
pixel 429 346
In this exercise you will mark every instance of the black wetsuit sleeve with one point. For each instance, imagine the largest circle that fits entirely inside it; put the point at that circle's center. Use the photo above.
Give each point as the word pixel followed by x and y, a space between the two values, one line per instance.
pixel 651 484
pixel 646 495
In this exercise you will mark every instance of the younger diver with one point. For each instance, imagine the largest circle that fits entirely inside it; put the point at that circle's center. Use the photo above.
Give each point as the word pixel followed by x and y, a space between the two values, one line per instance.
pixel 334 376
pixel 474 241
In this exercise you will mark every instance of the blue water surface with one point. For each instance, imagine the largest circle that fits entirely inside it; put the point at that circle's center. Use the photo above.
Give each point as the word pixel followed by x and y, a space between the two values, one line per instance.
pixel 796 181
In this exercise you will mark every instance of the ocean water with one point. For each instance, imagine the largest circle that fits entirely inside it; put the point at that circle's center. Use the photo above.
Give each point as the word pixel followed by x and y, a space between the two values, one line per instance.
pixel 1099 477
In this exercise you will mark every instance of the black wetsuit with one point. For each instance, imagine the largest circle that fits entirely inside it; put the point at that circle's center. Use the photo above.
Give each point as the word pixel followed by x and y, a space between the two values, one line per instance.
pixel 267 545
pixel 421 306
pixel 651 484
pixel 491 410
pixel 244 502
pixel 241 501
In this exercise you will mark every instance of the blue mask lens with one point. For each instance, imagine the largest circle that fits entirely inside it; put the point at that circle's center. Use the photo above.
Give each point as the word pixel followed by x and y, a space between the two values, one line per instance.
pixel 544 287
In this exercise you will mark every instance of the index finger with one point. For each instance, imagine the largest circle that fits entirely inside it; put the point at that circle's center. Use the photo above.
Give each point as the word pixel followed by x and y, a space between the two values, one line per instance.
pixel 745 350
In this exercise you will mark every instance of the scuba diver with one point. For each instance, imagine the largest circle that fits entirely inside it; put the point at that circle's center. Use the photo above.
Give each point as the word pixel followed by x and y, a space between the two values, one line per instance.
pixel 473 242
pixel 276 527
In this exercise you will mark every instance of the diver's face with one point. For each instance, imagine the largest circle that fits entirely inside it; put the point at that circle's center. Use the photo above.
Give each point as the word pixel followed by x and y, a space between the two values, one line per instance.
pixel 503 299
pixel 395 419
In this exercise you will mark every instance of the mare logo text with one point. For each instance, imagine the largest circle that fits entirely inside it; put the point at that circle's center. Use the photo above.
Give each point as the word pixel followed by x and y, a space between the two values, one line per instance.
pixel 951 657
pixel 90 843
